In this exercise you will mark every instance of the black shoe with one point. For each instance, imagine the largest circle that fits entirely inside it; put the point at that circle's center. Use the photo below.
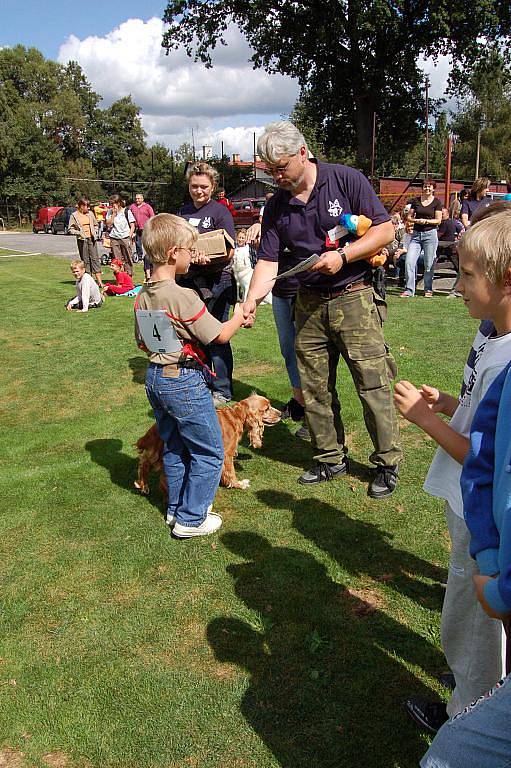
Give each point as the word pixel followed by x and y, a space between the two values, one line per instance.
pixel 447 680
pixel 430 715
pixel 322 472
pixel 293 410
pixel 383 483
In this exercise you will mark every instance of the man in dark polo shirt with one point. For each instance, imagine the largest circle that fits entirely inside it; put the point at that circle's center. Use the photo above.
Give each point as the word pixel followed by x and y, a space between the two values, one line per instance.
pixel 337 312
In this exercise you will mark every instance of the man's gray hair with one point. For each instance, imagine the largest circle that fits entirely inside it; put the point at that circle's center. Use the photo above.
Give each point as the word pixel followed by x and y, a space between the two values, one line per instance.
pixel 278 140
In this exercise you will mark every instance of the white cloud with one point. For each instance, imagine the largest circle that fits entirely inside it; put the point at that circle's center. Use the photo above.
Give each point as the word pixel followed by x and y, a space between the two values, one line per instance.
pixel 176 94
pixel 438 72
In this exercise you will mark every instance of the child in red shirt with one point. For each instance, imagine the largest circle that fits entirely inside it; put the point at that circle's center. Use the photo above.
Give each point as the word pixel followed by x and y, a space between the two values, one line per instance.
pixel 123 283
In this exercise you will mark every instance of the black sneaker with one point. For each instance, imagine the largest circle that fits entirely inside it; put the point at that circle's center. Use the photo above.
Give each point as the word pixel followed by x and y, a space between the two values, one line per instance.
pixel 430 715
pixel 293 410
pixel 447 680
pixel 383 483
pixel 322 472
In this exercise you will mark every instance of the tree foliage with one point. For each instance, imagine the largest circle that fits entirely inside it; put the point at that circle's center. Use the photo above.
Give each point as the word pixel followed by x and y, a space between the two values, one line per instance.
pixel 488 110
pixel 56 140
pixel 351 57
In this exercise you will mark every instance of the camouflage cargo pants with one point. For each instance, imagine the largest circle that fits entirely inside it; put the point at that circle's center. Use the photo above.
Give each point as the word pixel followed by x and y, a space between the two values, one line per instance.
pixel 347 326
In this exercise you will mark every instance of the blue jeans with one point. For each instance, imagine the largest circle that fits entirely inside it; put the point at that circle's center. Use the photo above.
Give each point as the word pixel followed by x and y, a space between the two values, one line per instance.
pixel 283 312
pixel 479 737
pixel 193 451
pixel 425 243
pixel 223 292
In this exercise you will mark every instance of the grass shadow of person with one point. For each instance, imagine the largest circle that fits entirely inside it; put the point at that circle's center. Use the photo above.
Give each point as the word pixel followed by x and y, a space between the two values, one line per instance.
pixel 243 390
pixel 138 367
pixel 122 468
pixel 326 677
pixel 362 548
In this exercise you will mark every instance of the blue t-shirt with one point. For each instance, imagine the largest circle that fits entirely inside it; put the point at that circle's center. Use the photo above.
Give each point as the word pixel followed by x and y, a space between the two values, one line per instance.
pixel 209 217
pixel 302 228
pixel 470 206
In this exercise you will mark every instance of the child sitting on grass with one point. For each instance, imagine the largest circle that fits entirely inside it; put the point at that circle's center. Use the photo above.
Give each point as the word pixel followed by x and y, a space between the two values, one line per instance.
pixel 123 281
pixel 87 291
pixel 471 640
pixel 172 323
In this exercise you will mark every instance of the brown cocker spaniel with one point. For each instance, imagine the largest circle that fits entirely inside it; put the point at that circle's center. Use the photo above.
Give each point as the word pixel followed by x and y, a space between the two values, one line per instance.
pixel 251 414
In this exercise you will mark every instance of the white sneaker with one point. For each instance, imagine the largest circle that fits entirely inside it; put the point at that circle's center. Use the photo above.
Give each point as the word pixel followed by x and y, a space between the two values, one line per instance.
pixel 211 524
pixel 171 519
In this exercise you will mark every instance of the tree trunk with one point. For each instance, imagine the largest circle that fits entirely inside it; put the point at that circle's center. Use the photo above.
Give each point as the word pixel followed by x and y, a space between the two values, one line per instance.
pixel 364 109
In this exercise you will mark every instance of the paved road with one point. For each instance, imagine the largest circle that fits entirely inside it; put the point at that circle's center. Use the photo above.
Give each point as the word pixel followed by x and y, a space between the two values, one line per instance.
pixel 54 245
pixel 65 246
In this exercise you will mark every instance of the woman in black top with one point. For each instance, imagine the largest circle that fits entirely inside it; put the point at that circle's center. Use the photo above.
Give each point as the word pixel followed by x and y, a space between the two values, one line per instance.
pixel 426 214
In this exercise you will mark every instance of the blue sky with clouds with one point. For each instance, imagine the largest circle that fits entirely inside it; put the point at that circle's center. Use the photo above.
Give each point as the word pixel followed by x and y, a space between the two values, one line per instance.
pixel 118 46
pixel 45 24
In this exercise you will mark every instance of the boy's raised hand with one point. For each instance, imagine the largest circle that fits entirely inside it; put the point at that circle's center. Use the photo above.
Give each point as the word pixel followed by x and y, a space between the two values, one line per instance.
pixel 410 403
pixel 431 395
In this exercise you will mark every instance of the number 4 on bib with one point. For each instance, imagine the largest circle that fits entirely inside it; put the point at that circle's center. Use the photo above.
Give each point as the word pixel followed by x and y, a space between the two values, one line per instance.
pixel 157 331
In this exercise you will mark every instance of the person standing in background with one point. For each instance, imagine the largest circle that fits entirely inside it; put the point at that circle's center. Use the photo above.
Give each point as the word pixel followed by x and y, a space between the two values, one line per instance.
pixel 142 212
pixel 121 224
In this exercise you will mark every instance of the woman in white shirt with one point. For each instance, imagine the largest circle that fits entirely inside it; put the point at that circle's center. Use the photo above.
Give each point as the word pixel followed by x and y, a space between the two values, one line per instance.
pixel 121 223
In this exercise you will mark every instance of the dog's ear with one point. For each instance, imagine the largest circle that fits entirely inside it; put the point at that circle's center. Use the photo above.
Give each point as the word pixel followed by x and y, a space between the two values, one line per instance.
pixel 255 428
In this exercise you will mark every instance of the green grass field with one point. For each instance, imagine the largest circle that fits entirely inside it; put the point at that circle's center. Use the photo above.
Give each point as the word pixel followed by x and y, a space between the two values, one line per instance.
pixel 290 639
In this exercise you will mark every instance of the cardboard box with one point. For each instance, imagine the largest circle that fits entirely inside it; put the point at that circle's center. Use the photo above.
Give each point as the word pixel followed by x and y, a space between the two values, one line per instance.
pixel 216 244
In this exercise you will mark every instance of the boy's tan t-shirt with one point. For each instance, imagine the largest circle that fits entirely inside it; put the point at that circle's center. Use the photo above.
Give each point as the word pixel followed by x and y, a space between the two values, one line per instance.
pixel 190 318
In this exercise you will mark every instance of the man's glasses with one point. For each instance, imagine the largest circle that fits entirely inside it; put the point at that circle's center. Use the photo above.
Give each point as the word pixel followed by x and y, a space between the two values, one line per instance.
pixel 274 170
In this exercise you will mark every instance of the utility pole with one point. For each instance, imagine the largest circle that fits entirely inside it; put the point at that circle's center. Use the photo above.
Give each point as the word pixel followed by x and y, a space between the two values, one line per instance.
pixel 478 151
pixel 255 165
pixel 223 174
pixel 448 157
pixel 427 126
pixel 373 151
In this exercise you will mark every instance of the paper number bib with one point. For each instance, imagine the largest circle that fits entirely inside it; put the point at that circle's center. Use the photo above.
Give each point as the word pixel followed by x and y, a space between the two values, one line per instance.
pixel 157 331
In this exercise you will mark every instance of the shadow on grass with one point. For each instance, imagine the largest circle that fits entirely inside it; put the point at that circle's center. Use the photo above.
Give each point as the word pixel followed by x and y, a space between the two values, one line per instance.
pixel 327 681
pixel 243 390
pixel 122 468
pixel 362 549
pixel 138 367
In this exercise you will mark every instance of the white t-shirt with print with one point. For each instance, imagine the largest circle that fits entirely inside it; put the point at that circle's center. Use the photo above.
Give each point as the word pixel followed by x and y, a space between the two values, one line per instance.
pixel 489 355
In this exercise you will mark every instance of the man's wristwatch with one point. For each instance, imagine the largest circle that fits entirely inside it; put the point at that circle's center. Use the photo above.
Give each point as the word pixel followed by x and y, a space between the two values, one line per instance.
pixel 343 257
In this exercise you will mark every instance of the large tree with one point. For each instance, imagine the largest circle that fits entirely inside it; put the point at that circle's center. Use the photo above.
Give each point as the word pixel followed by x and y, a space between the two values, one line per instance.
pixel 352 57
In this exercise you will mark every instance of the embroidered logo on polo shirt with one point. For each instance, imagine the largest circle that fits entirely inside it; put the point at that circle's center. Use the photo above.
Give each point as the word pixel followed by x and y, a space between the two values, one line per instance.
pixel 206 223
pixel 334 208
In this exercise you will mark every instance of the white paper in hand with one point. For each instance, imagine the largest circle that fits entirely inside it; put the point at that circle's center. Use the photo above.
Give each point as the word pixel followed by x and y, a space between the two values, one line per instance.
pixel 303 266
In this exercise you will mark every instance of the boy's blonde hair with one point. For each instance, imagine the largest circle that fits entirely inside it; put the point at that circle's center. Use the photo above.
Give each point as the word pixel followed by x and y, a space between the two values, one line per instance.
pixel 77 263
pixel 165 231
pixel 488 243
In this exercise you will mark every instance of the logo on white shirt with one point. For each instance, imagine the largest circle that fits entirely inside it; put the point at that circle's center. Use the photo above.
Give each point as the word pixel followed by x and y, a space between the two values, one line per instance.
pixel 334 208
pixel 206 223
